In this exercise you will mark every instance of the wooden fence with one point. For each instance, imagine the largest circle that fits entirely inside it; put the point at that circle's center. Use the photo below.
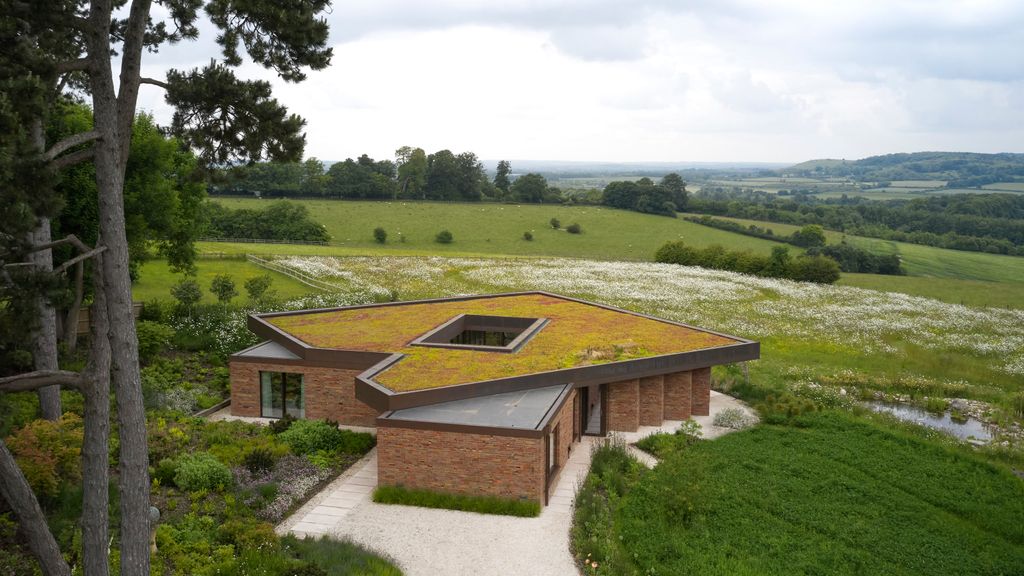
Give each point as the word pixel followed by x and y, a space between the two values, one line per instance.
pixel 85 313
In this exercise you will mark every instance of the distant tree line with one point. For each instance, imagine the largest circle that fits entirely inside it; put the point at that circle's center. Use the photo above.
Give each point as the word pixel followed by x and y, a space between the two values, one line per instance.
pixel 413 175
pixel 780 264
pixel 958 169
pixel 975 222
pixel 849 257
pixel 443 176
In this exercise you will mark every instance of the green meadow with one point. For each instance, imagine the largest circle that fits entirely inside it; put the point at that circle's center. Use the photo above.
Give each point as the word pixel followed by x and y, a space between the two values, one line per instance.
pixel 487 228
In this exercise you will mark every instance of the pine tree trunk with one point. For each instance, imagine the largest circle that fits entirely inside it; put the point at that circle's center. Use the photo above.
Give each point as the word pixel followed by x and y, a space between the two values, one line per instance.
pixel 95 444
pixel 16 491
pixel 110 160
pixel 44 337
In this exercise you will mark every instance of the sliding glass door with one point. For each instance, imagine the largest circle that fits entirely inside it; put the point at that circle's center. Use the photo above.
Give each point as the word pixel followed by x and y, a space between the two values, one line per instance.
pixel 282 393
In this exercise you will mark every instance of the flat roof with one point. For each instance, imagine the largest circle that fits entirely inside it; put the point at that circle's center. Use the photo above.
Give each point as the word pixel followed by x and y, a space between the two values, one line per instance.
pixel 525 410
pixel 576 334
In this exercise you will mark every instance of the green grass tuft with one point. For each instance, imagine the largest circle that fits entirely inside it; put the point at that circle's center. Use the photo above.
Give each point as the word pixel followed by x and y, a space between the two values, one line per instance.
pixel 340 558
pixel 479 504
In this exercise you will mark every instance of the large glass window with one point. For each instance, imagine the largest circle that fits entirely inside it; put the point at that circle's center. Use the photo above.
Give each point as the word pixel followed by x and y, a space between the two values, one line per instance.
pixel 282 393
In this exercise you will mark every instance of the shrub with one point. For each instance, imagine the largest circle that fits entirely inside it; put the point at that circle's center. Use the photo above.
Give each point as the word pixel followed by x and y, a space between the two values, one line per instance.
pixel 49 453
pixel 187 293
pixel 555 223
pixel 527 236
pixel 223 287
pixel 661 445
pixel 201 471
pixel 818 269
pixel 164 471
pixel 156 311
pixel 257 286
pixel 479 504
pixel 735 418
pixel 573 228
pixel 247 534
pixel 153 337
pixel 444 237
pixel 259 459
pixel 785 408
pixel 309 436
pixel 380 235
pixel 282 424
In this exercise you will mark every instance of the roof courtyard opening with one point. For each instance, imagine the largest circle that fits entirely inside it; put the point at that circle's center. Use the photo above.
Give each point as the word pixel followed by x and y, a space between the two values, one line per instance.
pixel 486 333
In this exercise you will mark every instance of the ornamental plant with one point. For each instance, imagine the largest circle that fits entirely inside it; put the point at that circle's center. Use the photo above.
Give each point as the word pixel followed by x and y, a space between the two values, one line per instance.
pixel 223 287
pixel 49 453
pixel 201 471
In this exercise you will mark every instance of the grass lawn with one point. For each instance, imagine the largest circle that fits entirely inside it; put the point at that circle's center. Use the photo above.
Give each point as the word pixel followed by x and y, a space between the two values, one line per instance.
pixel 954 291
pixel 837 494
pixel 487 228
pixel 156 279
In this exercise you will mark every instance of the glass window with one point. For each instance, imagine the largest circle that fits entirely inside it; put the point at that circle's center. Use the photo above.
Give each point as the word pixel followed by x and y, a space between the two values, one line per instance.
pixel 282 393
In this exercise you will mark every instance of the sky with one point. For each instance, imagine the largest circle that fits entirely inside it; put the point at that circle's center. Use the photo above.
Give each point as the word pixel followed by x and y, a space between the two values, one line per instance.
pixel 650 80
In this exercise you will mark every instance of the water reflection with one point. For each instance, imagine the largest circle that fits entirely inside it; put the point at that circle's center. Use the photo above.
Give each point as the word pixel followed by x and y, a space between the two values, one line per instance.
pixel 966 430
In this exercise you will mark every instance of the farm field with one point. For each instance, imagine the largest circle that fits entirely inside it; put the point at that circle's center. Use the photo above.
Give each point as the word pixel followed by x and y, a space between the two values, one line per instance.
pixel 920 260
pixel 608 234
pixel 495 230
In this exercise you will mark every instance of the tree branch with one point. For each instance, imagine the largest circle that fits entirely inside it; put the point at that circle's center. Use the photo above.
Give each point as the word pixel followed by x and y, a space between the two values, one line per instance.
pixel 69 239
pixel 73 158
pixel 73 65
pixel 155 82
pixel 40 379
pixel 70 142
pixel 85 256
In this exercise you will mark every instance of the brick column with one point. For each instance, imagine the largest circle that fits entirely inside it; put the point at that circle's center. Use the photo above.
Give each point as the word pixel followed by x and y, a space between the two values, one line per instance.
pixel 677 396
pixel 624 406
pixel 652 400
pixel 701 392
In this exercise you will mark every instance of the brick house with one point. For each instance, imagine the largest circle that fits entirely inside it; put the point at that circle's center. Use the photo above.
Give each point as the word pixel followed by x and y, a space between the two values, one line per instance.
pixel 481 394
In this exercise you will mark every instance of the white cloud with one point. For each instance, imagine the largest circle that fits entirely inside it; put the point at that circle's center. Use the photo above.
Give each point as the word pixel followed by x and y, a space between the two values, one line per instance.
pixel 659 80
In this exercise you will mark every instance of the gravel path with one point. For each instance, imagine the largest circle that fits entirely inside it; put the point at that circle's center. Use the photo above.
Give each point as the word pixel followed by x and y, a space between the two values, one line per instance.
pixel 429 542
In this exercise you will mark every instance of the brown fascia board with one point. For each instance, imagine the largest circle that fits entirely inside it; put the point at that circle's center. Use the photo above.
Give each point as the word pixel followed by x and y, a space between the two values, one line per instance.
pixel 385 420
pixel 382 398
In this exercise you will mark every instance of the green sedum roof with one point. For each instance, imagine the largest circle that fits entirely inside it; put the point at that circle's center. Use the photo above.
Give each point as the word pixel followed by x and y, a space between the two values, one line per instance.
pixel 576 334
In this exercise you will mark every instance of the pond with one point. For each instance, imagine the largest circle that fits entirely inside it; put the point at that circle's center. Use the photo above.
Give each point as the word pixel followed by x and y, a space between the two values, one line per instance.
pixel 970 429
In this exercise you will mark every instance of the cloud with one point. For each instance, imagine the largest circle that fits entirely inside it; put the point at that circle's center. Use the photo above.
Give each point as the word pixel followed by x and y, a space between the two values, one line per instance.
pixel 657 79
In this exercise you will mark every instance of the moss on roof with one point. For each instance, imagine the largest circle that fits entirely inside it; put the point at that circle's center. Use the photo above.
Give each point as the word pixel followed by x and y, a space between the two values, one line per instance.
pixel 577 334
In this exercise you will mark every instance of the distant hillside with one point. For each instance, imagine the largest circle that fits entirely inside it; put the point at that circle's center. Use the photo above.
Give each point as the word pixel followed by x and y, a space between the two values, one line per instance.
pixel 958 169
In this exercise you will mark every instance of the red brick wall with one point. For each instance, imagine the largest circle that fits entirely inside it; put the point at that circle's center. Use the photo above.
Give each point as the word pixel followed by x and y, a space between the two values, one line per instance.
pixel 677 396
pixel 461 463
pixel 330 393
pixel 701 392
pixel 624 405
pixel 564 420
pixel 652 401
